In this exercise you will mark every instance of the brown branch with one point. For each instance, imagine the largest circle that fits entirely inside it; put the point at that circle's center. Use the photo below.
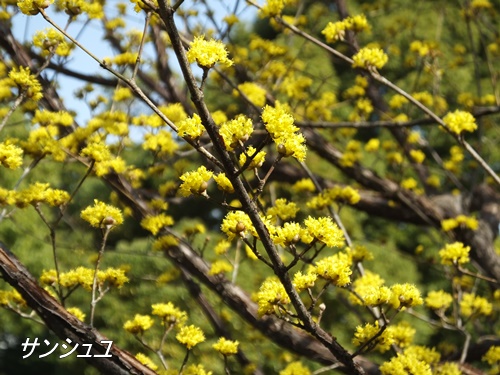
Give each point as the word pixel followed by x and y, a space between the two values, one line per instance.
pixel 65 325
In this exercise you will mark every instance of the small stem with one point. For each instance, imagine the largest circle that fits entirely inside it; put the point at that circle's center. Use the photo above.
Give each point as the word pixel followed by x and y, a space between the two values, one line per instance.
pixel 141 46
pixel 94 282
pixel 184 361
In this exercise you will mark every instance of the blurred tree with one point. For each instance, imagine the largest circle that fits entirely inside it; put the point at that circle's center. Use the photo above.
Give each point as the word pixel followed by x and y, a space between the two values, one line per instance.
pixel 312 190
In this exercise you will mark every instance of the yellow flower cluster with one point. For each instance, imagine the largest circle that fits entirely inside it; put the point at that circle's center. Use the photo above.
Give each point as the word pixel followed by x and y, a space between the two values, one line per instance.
pixel 257 160
pixel 438 300
pixel 295 368
pixel 236 131
pixel 139 324
pixel 146 361
pixel 191 127
pixel 237 223
pixel 195 182
pixel 472 305
pixel 10 298
pixel 84 277
pixel 339 194
pixel 11 156
pixel 455 253
pixel 273 8
pixel 226 347
pixel 304 185
pixel 31 7
pixel 405 295
pixel 279 124
pixel 102 215
pixel 336 30
pixel 405 363
pixel 460 121
pixel 165 242
pixel 369 58
pixel 49 118
pixel 304 281
pixel 255 93
pixel 26 82
pixel 283 209
pixel 207 53
pixel 335 268
pixel 290 233
pixel 370 288
pixel 492 356
pixel 460 221
pixel 324 230
pixel 190 336
pixel 270 295
pixel 223 183
pixel 418 156
pixel 75 311
pixel 365 333
pixel 155 223
pixel 220 267
pixel 169 314
pixel 161 143
pixel 40 193
pixel 50 40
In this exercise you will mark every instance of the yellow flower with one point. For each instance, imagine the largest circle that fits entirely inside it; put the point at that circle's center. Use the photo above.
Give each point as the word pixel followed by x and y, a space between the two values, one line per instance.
pixel 472 305
pixel 169 314
pixel 139 324
pixel 236 131
pixel 257 160
pixel 273 8
pixel 195 182
pixel 336 269
pixel 11 156
pixel 295 368
pixel 75 311
pixel 223 183
pixel 219 267
pixel 165 242
pixel 26 82
pixel 226 347
pixel 113 276
pixel 304 185
pixel 369 57
pixel 455 253
pixel 404 364
pixel 161 143
pixel 460 121
pixel 271 294
pixel 190 336
pixel 191 127
pixel 283 209
pixel 31 7
pixel 287 235
pixel 405 295
pixel 207 53
pixel 418 156
pixel 51 40
pixel 492 356
pixel 146 361
pixel 254 93
pixel 155 223
pixel 367 332
pixel 100 215
pixel 237 223
pixel 279 124
pixel 304 281
pixel 324 230
pixel 438 300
